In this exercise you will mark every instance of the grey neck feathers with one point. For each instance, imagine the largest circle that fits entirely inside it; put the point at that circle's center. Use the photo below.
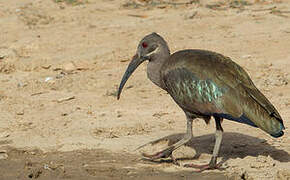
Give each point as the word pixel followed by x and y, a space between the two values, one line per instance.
pixel 155 64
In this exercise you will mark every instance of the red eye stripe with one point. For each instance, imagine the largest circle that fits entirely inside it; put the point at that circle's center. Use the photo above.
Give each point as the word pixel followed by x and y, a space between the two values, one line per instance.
pixel 144 45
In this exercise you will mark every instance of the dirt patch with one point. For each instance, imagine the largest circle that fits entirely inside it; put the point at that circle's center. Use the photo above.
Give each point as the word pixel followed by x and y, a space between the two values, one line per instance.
pixel 85 164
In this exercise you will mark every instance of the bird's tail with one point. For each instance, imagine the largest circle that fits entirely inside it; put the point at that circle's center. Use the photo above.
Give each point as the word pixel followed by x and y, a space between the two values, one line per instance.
pixel 269 123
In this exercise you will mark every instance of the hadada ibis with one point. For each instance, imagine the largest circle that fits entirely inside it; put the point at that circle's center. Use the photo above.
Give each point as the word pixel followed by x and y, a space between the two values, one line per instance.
pixel 204 84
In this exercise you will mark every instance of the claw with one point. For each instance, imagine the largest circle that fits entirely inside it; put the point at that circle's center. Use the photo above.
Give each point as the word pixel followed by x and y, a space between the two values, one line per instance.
pixel 175 161
pixel 162 154
pixel 203 167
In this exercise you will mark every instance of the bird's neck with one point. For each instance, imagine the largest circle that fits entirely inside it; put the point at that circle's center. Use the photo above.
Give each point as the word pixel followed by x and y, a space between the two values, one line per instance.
pixel 154 69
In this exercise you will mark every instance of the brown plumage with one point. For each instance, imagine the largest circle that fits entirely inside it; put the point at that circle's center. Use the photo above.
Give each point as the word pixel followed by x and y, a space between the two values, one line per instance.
pixel 204 84
pixel 239 96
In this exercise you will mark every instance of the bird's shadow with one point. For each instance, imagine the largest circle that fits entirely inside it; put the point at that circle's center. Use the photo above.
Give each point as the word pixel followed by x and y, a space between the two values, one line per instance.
pixel 234 145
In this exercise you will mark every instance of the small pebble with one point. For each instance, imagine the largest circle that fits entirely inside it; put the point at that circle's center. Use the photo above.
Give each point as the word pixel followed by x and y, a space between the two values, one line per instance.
pixel 48 79
pixel 20 113
pixel 3 154
pixel 4 135
pixel 246 56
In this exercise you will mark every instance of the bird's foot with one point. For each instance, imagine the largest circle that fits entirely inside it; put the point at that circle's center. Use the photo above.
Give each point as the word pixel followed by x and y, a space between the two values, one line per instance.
pixel 161 154
pixel 174 160
pixel 201 168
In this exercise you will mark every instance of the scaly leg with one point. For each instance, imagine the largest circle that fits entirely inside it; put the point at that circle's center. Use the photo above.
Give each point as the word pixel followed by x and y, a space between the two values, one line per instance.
pixel 218 139
pixel 168 151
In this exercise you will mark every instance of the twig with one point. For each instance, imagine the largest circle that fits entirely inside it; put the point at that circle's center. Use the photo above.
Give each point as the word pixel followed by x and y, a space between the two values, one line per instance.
pixel 65 99
pixel 38 93
pixel 136 15
pixel 265 9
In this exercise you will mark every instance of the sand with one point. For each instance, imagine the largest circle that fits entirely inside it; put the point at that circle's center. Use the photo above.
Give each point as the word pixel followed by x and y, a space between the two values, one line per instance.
pixel 61 63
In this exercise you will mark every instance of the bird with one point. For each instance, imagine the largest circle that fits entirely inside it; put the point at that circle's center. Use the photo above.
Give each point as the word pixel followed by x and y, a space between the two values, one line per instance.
pixel 204 84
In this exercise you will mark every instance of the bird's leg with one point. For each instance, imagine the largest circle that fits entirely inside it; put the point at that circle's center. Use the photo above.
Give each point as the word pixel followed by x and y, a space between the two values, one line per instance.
pixel 218 139
pixel 168 151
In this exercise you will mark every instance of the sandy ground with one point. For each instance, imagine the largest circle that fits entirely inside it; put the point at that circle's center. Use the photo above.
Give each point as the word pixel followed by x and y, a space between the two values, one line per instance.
pixel 60 65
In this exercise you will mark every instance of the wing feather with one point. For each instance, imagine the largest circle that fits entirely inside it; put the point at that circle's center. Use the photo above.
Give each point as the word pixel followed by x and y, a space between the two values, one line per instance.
pixel 208 82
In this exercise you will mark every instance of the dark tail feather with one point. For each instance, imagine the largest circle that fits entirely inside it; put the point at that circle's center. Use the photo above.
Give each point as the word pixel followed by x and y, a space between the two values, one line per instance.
pixel 242 119
pixel 245 120
pixel 280 133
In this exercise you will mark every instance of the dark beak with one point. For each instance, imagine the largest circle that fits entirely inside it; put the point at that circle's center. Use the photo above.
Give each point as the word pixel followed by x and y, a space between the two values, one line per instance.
pixel 136 61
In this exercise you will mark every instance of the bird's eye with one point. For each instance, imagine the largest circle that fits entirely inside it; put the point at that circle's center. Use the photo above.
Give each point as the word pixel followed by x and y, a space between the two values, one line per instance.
pixel 144 45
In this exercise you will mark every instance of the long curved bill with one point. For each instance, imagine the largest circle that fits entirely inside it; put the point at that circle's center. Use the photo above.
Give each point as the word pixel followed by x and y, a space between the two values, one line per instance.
pixel 135 62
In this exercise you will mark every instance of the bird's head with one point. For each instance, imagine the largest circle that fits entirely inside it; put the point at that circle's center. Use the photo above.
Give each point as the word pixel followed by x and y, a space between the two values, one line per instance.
pixel 150 48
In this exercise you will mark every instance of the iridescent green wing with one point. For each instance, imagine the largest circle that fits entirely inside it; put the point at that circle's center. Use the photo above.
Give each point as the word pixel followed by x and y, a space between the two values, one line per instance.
pixel 190 78
pixel 210 83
